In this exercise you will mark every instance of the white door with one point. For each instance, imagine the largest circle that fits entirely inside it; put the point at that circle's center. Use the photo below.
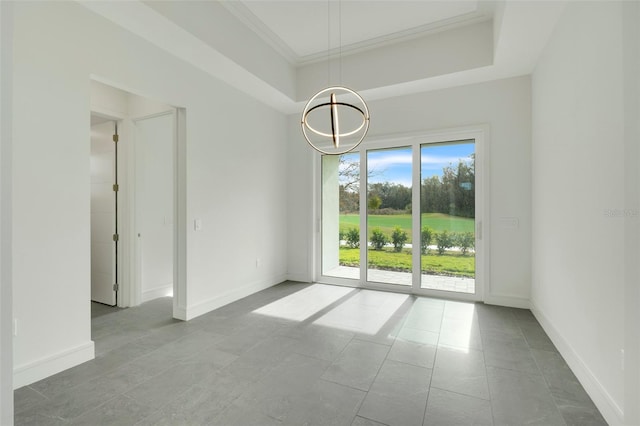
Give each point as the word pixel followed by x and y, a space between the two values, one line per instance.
pixel 103 214
pixel 154 205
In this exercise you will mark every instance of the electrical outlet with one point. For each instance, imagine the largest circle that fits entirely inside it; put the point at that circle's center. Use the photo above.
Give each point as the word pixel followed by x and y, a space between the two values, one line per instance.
pixel 258 262
pixel 197 224
pixel 15 327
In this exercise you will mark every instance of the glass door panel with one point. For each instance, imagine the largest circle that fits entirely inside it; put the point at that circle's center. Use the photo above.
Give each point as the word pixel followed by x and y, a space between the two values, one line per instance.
pixel 341 215
pixel 389 182
pixel 447 220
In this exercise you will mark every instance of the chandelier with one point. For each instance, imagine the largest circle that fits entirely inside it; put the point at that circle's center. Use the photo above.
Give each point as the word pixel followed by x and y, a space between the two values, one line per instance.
pixel 336 119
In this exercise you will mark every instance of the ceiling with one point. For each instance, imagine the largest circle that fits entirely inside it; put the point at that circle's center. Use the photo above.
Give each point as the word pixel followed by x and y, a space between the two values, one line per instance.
pixel 281 51
pixel 305 30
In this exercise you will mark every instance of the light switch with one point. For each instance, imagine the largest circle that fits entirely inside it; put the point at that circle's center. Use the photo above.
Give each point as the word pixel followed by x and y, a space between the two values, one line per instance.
pixel 197 224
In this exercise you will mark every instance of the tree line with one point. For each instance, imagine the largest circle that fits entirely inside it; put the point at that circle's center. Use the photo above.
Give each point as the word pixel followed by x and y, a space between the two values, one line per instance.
pixel 452 193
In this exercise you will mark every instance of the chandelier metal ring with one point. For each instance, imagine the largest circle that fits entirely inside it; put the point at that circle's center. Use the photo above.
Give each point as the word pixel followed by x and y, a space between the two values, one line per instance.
pixel 335 134
pixel 317 132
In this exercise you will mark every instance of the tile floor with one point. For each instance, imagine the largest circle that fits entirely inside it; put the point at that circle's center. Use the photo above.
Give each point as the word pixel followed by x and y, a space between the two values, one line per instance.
pixel 300 354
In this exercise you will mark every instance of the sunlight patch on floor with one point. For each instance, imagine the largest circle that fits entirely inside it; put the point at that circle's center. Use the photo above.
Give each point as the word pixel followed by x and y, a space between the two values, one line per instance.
pixel 366 312
pixel 303 304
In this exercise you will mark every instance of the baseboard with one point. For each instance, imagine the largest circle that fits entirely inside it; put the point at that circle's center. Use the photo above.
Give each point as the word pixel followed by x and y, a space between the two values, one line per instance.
pixel 510 301
pixel 298 277
pixel 610 410
pixel 230 296
pixel 48 366
pixel 156 292
pixel 180 313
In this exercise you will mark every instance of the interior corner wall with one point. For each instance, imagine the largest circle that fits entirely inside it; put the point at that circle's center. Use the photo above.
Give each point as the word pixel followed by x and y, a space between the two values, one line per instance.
pixel 235 179
pixel 578 198
pixel 6 310
pixel 504 105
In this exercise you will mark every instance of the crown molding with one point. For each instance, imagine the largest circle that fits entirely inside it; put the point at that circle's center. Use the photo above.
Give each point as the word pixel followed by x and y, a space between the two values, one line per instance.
pixel 395 38
pixel 248 18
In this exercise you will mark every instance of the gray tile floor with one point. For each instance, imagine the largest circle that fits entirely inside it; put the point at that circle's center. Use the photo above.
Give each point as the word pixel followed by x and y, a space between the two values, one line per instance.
pixel 300 354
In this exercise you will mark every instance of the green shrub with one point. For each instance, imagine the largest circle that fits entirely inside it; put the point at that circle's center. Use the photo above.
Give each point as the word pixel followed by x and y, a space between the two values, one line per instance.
pixel 425 239
pixel 466 241
pixel 444 241
pixel 378 239
pixel 398 238
pixel 353 237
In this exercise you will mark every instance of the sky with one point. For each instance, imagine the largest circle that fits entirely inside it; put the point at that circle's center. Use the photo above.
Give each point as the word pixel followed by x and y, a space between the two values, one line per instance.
pixel 394 165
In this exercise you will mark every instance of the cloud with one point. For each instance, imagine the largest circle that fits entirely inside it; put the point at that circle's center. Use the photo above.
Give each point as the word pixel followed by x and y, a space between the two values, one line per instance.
pixel 442 161
pixel 381 162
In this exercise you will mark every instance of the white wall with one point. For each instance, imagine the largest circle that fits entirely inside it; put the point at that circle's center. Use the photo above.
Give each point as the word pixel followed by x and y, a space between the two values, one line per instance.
pixel 505 106
pixel 6 335
pixel 235 178
pixel 578 197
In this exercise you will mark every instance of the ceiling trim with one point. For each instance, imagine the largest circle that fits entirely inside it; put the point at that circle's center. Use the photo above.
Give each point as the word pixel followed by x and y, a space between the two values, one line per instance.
pixel 248 18
pixel 396 38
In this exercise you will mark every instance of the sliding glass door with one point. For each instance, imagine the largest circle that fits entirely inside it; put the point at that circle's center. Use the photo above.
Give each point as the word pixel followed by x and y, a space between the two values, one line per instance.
pixel 389 181
pixel 447 219
pixel 402 216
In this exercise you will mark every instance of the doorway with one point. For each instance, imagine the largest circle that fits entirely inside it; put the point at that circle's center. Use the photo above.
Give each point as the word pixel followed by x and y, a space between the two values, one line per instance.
pixel 145 259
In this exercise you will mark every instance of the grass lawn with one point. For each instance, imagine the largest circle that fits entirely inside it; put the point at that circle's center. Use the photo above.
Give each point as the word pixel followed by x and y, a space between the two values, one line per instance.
pixel 450 263
pixel 386 223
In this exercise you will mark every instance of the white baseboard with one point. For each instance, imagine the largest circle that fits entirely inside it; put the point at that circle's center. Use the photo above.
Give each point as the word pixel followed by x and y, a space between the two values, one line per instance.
pixel 610 410
pixel 510 301
pixel 298 277
pixel 31 372
pixel 156 292
pixel 180 313
pixel 230 296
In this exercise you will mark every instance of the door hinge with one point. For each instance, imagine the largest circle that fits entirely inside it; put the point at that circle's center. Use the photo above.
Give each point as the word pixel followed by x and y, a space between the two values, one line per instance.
pixel 115 138
pixel 115 287
pixel 116 237
pixel 116 187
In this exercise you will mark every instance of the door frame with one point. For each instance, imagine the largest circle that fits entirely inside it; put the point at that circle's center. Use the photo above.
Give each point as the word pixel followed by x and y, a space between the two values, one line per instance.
pixel 127 259
pixel 179 213
pixel 480 134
